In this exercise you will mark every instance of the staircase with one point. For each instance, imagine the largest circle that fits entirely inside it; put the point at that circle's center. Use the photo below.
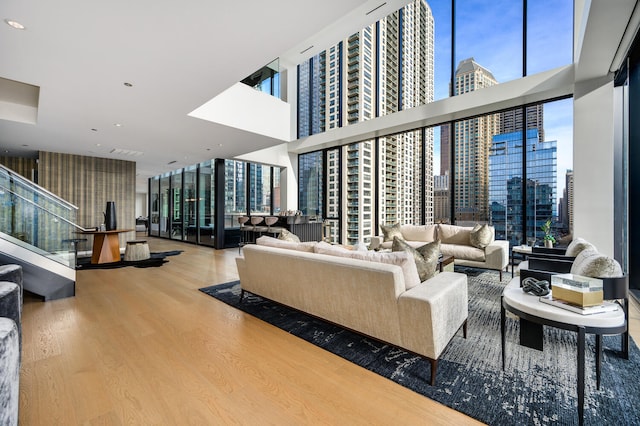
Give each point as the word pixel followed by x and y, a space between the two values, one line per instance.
pixel 36 228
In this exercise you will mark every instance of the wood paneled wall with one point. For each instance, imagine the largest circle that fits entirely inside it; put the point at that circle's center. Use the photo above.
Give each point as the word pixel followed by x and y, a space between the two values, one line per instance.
pixel 25 167
pixel 88 183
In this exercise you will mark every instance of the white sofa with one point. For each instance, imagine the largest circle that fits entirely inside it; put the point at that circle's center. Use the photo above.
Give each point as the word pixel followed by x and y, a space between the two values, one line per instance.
pixel 455 241
pixel 368 296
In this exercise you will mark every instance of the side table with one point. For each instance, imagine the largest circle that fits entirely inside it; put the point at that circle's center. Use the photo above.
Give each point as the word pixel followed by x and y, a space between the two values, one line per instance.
pixel 530 310
pixel 445 263
pixel 524 250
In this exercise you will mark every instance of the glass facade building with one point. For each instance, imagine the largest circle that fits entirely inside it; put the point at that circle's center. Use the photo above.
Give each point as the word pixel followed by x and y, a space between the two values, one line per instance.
pixel 506 187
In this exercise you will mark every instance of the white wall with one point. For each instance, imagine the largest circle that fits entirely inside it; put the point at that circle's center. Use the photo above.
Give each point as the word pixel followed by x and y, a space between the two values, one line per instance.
pixel 593 163
pixel 141 204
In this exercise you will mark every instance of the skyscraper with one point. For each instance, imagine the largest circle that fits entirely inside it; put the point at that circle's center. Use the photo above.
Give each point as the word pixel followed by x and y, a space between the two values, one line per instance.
pixel 384 68
pixel 472 140
pixel 506 188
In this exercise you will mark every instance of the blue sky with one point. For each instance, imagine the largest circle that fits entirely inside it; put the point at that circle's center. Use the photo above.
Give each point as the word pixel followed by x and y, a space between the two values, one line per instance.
pixel 490 31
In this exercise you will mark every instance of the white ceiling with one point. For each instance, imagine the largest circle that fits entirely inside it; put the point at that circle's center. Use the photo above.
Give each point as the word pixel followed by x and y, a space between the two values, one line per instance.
pixel 177 56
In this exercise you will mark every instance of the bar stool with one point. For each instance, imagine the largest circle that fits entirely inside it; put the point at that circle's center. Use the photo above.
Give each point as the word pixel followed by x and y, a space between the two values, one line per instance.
pixel 274 231
pixel 242 220
pixel 255 221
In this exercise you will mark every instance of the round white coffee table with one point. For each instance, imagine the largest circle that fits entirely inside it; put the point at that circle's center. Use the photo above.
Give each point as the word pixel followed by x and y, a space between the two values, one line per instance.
pixel 529 309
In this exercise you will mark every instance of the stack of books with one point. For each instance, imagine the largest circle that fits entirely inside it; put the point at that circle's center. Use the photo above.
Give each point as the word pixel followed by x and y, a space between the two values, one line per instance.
pixel 584 310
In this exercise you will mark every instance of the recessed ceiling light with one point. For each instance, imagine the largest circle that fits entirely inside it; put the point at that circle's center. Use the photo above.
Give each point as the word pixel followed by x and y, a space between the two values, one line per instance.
pixel 220 144
pixel 24 144
pixel 15 24
pixel 94 130
pixel 98 144
pixel 118 125
pixel 128 84
pixel 308 48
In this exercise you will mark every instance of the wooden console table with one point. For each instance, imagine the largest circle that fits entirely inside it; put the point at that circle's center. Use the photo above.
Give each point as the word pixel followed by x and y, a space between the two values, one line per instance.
pixel 106 246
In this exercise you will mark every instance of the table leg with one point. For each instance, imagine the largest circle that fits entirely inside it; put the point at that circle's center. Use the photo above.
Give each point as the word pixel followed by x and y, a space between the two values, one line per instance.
pixel 598 359
pixel 581 345
pixel 513 265
pixel 503 320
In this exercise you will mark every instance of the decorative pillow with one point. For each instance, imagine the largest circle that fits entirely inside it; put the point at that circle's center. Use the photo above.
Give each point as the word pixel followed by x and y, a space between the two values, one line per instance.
pixel 402 259
pixel 391 231
pixel 454 234
pixel 425 265
pixel 288 236
pixel 431 254
pixel 331 249
pixel 590 263
pixel 578 245
pixel 481 236
pixel 426 233
pixel 274 242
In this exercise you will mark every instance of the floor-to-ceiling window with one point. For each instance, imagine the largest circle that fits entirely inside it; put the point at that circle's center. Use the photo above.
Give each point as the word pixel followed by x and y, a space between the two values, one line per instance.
pixel 190 204
pixel 206 203
pixel 500 168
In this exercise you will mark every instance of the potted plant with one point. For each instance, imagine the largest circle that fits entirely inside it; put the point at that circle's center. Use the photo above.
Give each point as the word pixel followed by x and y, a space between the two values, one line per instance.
pixel 549 240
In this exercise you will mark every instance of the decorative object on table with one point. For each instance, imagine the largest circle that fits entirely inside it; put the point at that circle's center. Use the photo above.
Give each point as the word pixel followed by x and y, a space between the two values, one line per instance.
pixel 536 287
pixel 110 221
pixel 583 310
pixel 577 289
pixel 549 239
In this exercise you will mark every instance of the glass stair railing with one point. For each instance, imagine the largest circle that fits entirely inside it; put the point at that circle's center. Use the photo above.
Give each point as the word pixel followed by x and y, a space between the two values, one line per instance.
pixel 37 220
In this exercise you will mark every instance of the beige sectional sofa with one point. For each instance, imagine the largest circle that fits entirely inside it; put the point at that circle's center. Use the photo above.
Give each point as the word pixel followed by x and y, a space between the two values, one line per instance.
pixel 455 241
pixel 376 294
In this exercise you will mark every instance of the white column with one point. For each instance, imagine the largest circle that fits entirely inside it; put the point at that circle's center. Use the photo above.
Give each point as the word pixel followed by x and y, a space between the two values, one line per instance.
pixel 593 162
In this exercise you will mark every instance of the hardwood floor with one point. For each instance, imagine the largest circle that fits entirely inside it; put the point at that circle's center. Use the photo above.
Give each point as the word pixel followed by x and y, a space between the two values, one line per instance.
pixel 144 346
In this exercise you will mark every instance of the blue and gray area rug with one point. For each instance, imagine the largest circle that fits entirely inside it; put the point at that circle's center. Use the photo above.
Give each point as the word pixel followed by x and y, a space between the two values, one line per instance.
pixel 536 387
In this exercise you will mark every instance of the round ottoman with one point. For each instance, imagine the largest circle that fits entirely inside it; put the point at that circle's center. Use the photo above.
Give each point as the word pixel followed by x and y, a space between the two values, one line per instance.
pixel 136 250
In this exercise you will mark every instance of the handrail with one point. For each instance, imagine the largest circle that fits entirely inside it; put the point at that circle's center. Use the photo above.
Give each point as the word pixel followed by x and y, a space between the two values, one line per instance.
pixel 26 181
pixel 48 211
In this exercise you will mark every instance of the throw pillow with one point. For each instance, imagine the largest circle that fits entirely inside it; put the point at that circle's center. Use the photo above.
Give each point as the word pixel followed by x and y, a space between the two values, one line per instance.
pixel 431 254
pixel 590 263
pixel 426 266
pixel 481 236
pixel 391 231
pixel 288 236
pixel 402 259
pixel 577 246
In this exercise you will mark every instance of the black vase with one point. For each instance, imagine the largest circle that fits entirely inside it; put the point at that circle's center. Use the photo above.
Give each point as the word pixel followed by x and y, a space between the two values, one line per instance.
pixel 110 216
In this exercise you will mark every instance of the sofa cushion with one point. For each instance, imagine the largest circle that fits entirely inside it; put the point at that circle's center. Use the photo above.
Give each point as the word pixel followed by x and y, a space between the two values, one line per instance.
pixel 590 263
pixel 425 257
pixel 481 236
pixel 390 231
pixel 578 245
pixel 424 233
pixel 275 242
pixel 330 249
pixel 288 236
pixel 454 234
pixel 402 259
pixel 459 251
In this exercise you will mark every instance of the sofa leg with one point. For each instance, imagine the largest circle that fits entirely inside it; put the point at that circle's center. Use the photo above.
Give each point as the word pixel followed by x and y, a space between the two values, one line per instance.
pixel 464 329
pixel 434 368
pixel 241 295
pixel 500 274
